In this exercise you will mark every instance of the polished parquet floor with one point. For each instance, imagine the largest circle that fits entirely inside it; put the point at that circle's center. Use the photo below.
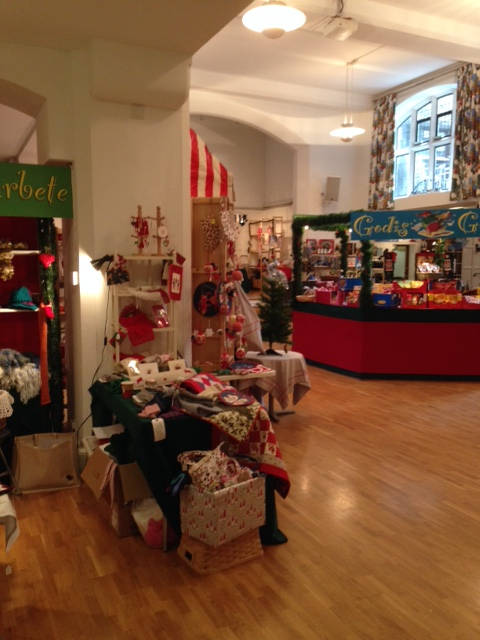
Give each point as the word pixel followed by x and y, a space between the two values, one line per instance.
pixel 383 521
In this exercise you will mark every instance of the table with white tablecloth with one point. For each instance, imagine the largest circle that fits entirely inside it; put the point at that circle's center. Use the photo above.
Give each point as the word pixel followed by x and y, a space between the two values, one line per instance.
pixel 291 381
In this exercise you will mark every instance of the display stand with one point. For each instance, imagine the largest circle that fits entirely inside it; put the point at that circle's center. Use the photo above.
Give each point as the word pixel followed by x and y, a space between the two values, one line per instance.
pixel 144 290
pixel 209 269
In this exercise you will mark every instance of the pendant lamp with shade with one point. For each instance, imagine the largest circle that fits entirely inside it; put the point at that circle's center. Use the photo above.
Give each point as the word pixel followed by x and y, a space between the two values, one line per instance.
pixel 273 18
pixel 347 131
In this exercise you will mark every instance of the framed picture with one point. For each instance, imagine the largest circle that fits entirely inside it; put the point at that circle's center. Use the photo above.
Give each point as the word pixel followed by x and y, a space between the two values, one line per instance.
pixel 311 243
pixel 175 281
pixel 326 246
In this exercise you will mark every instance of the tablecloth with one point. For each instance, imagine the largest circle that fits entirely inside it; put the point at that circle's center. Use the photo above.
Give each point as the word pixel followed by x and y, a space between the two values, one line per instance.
pixel 158 460
pixel 291 376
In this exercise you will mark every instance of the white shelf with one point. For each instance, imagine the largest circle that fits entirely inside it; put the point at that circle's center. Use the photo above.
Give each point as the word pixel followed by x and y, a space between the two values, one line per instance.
pixel 4 310
pixel 153 258
pixel 25 252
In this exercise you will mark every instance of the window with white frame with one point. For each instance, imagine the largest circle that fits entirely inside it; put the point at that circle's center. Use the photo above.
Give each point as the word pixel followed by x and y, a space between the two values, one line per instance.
pixel 424 133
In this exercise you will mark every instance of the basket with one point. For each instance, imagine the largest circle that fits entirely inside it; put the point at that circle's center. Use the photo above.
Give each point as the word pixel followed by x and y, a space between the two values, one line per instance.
pixel 205 559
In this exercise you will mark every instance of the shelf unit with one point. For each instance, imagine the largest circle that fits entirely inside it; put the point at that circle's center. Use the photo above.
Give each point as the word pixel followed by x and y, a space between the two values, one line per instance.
pixel 146 279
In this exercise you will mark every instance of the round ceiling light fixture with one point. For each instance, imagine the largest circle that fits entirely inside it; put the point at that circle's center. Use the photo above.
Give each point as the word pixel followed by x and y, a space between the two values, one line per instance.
pixel 347 131
pixel 273 18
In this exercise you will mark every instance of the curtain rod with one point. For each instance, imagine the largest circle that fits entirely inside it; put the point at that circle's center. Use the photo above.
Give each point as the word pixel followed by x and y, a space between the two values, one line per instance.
pixel 421 80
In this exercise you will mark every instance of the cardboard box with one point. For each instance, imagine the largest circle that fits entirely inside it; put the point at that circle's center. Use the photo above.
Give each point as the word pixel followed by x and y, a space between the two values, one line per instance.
pixel 219 517
pixel 115 500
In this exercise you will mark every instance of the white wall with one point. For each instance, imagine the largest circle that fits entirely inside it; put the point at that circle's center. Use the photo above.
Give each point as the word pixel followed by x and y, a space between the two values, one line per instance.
pixel 315 163
pixel 262 168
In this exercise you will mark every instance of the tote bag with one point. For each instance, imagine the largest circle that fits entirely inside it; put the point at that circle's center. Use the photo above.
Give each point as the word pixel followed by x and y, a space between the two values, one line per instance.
pixel 45 461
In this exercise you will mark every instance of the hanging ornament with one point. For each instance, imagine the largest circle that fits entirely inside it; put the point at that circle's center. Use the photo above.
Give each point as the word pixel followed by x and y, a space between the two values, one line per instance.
pixel 46 259
pixel 230 228
pixel 211 233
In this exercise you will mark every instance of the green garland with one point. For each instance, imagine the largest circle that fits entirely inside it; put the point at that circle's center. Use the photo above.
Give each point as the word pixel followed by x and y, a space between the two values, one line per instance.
pixel 47 243
pixel 343 235
pixel 365 298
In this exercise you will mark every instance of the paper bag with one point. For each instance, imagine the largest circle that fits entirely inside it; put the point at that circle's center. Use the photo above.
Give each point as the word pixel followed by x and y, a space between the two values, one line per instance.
pixel 45 461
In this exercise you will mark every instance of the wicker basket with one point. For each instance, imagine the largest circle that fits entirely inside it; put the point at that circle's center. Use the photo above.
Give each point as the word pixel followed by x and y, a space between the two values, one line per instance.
pixel 206 559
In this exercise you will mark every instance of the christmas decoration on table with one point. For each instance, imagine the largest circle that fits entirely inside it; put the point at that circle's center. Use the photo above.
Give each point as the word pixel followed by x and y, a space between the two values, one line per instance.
pixel 275 313
pixel 117 271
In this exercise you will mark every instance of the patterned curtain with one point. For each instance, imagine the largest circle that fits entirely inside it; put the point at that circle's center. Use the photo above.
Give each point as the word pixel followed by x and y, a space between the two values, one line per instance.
pixel 466 158
pixel 380 194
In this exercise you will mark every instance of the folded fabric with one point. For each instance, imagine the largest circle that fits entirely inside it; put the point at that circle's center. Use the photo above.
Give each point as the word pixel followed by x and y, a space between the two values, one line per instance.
pixel 138 326
pixel 204 385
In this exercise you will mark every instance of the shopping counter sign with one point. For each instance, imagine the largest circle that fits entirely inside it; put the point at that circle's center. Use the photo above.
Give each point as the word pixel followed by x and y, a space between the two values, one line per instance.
pixel 415 224
pixel 35 191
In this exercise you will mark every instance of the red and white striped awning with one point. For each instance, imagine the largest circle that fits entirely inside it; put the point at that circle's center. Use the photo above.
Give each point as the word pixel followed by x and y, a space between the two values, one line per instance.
pixel 208 177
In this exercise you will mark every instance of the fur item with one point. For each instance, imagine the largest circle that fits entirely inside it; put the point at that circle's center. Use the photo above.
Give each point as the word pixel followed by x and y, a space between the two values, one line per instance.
pixel 20 373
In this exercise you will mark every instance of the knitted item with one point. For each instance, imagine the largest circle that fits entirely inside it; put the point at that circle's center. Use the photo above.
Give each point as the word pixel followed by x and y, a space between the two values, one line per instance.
pixel 6 402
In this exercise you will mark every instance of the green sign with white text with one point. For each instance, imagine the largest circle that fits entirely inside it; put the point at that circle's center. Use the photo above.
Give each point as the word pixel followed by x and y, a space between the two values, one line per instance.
pixel 35 191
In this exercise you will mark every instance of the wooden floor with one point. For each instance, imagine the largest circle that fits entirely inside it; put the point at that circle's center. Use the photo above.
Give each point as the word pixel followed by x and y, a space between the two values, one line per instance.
pixel 383 521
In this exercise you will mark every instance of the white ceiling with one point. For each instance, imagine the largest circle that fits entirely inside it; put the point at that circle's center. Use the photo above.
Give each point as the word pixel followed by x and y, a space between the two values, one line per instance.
pixel 303 73
pixel 299 75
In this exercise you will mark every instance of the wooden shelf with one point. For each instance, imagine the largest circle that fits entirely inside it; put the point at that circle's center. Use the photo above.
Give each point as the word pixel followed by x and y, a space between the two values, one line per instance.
pixel 24 252
pixel 5 310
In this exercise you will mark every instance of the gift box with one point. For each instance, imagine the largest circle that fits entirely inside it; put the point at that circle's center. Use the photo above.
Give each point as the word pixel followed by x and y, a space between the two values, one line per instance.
pixel 217 517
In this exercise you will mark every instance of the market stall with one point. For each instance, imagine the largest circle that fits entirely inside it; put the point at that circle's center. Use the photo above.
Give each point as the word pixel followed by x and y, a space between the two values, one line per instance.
pixel 390 327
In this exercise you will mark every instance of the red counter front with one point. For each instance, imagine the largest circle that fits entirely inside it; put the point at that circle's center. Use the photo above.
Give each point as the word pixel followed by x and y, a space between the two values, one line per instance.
pixel 389 342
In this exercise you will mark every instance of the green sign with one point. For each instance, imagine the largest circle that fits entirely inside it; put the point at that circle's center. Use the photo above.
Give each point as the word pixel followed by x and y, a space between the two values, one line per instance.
pixel 35 191
pixel 415 224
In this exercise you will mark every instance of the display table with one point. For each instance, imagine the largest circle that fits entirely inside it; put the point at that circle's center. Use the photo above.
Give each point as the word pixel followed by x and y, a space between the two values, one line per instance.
pixel 158 460
pixel 291 377
pixel 382 343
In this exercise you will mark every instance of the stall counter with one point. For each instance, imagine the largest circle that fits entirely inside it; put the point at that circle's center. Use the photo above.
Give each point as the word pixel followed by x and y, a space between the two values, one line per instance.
pixel 383 343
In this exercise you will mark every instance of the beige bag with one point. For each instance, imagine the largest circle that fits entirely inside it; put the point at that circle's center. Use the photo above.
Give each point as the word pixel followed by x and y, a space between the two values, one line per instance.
pixel 45 461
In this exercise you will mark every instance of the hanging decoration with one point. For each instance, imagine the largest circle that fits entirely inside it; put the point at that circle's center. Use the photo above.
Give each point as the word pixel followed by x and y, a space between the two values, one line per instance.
pixel 46 259
pixel 142 233
pixel 211 234
pixel 205 299
pixel 230 228
pixel 175 281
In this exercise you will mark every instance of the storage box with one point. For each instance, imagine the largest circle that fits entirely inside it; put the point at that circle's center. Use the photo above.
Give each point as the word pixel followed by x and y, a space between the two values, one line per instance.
pixel 386 300
pixel 115 500
pixel 203 558
pixel 218 517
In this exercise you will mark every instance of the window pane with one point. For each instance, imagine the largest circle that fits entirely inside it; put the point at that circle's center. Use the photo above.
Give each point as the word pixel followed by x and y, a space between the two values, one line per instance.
pixel 445 103
pixel 421 177
pixel 425 112
pixel 442 171
pixel 444 125
pixel 403 134
pixel 423 131
pixel 401 176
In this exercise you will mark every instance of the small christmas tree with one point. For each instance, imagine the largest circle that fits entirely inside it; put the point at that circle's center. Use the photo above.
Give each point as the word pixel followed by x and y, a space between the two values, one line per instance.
pixel 275 313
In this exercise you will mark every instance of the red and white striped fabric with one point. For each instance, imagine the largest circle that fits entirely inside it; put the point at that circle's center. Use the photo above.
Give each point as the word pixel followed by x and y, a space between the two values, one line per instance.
pixel 208 177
